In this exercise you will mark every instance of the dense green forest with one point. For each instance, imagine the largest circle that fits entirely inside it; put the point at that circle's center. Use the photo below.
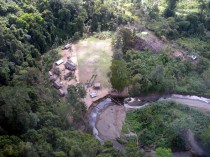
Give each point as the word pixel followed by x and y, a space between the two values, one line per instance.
pixel 35 122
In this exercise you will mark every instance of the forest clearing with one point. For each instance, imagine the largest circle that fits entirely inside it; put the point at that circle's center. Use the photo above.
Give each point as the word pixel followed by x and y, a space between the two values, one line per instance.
pixel 94 58
pixel 75 74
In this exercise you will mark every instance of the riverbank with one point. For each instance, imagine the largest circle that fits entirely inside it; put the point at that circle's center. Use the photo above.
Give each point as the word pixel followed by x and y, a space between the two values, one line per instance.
pixel 196 102
pixel 110 117
pixel 105 114
pixel 109 122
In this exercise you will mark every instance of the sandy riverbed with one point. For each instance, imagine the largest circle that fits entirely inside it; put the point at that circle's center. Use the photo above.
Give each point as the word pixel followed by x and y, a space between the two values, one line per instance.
pixel 110 122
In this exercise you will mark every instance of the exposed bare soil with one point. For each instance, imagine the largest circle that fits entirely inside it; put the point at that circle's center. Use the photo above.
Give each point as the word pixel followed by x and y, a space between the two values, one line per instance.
pixel 148 41
pixel 110 122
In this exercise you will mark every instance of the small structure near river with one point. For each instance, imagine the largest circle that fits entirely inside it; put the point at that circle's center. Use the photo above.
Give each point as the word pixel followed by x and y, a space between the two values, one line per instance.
pixel 193 57
pixel 97 86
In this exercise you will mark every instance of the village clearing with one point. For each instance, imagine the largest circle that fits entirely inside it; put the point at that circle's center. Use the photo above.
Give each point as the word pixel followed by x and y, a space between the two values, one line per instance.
pixel 66 54
pixel 90 57
pixel 94 58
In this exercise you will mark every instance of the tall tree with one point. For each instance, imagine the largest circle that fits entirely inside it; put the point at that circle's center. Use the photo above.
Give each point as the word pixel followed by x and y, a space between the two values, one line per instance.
pixel 119 77
pixel 170 10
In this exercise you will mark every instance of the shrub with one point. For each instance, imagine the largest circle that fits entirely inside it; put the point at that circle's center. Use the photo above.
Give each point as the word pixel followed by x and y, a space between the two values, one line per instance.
pixel 163 152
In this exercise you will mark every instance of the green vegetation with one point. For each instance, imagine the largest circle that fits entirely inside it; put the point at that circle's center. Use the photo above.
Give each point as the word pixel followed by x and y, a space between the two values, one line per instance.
pixel 165 72
pixel 30 28
pixel 162 72
pixel 165 65
pixel 133 150
pixel 163 152
pixel 165 124
pixel 206 135
pixel 119 74
pixel 34 121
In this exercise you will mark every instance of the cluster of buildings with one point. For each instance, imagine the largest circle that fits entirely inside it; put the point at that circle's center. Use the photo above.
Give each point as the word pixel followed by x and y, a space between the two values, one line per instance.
pixel 65 71
pixel 54 77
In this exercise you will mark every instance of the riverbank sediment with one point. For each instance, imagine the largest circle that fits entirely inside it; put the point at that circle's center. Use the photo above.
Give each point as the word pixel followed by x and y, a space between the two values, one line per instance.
pixel 106 117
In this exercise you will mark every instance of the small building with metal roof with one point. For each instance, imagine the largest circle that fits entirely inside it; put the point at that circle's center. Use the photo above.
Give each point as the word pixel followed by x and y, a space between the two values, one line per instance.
pixel 57 85
pixel 61 92
pixel 59 62
pixel 67 75
pixel 67 46
pixel 70 66
pixel 97 86
pixel 93 95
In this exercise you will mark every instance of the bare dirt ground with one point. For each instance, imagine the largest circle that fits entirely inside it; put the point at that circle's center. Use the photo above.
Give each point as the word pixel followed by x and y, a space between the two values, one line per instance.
pixel 149 40
pixel 94 58
pixel 178 54
pixel 110 122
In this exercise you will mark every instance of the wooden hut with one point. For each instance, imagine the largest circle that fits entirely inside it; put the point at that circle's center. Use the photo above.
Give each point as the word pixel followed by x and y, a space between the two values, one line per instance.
pixel 57 85
pixel 67 75
pixel 52 78
pixel 61 92
pixel 70 66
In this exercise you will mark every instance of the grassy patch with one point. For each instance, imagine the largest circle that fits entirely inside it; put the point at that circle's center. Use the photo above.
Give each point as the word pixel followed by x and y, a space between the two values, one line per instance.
pixel 94 57
pixel 125 128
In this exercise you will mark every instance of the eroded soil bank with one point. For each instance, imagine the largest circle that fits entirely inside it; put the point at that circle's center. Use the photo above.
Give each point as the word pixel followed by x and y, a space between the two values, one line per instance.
pixel 110 121
pixel 106 118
